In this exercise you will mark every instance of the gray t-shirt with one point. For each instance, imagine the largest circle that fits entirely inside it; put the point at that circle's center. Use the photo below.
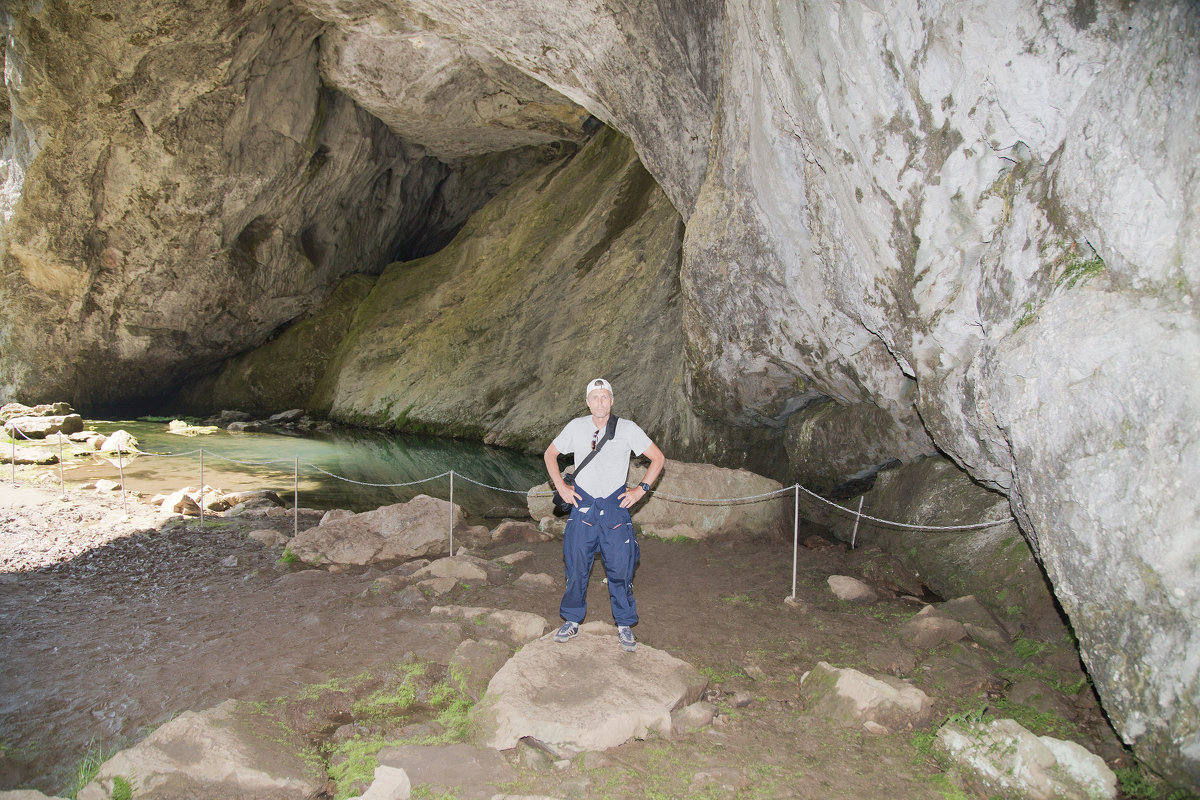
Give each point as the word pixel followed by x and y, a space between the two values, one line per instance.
pixel 609 470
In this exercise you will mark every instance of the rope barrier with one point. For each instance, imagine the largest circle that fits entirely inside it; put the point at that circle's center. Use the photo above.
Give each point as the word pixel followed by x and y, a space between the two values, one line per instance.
pixel 378 485
pixel 754 498
pixel 250 463
pixel 526 492
pixel 795 488
pixel 907 525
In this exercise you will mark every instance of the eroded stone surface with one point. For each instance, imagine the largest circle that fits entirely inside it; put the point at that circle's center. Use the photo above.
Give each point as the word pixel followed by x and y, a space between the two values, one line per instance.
pixel 586 694
pixel 852 699
pixel 397 532
pixel 1002 757
pixel 217 752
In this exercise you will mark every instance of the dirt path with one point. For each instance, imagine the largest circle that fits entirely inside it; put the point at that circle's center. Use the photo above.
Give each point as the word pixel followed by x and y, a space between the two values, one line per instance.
pixel 113 622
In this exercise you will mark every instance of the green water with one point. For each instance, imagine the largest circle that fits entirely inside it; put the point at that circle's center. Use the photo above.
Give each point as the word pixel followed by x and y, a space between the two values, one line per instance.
pixel 292 464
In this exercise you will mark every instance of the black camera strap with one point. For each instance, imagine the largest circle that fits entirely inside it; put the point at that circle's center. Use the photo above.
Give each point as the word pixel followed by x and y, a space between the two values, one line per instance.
pixel 610 430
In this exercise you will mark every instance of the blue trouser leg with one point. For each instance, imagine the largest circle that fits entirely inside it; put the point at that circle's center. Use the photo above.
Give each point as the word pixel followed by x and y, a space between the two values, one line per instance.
pixel 619 548
pixel 580 542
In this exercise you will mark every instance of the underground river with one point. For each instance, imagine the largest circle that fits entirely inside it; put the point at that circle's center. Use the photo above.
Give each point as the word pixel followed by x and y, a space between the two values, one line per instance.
pixel 328 469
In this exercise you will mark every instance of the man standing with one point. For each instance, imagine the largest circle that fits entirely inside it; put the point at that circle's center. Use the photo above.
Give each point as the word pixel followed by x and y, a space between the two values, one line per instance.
pixel 600 510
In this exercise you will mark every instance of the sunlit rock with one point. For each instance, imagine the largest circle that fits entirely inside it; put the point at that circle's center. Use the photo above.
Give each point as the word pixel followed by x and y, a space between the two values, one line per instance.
pixel 617 696
pixel 396 532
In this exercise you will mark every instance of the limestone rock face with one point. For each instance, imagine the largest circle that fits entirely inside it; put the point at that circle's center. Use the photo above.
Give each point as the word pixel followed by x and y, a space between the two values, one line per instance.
pixel 651 69
pixel 453 97
pixel 283 371
pixel 569 274
pixel 982 212
pixel 178 183
pixel 978 218
pixel 993 563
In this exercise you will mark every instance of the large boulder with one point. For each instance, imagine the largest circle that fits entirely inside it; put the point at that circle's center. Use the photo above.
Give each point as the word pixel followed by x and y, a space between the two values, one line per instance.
pixel 41 427
pixel 587 694
pixel 398 532
pixel 517 627
pixel 452 770
pixel 28 455
pixel 854 699
pixel 698 501
pixel 1002 758
pixel 226 751
pixel 994 563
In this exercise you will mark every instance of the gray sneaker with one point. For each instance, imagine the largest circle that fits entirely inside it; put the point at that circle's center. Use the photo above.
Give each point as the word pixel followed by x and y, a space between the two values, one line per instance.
pixel 568 631
pixel 625 637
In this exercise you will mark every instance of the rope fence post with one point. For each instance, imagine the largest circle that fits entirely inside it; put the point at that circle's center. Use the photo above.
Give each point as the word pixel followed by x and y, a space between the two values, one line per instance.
pixel 296 498
pixel 795 536
pixel 14 456
pixel 452 512
pixel 61 486
pixel 201 487
pixel 857 518
pixel 121 468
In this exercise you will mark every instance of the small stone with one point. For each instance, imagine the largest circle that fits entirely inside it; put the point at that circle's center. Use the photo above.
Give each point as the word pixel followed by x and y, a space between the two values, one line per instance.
pixel 534 580
pixel 851 590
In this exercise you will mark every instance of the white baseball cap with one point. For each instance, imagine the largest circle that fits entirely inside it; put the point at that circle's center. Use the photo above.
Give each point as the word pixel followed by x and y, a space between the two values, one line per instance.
pixel 598 383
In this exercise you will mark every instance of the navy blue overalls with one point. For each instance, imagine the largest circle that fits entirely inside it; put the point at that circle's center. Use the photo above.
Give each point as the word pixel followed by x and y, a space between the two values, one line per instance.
pixel 608 528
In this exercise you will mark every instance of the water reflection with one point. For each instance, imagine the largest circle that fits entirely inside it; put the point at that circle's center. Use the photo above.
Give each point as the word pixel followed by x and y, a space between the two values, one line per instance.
pixel 243 461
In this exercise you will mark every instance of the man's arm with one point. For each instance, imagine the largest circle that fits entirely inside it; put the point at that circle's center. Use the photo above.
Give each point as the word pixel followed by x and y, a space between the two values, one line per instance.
pixel 566 492
pixel 657 462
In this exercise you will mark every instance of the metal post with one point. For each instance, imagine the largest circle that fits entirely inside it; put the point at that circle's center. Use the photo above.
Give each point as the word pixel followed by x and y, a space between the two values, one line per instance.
pixel 14 460
pixel 795 537
pixel 202 487
pixel 61 486
pixel 296 496
pixel 854 536
pixel 121 467
pixel 452 512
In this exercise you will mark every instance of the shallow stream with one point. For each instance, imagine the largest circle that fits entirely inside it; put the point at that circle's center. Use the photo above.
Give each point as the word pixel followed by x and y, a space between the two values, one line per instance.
pixel 332 469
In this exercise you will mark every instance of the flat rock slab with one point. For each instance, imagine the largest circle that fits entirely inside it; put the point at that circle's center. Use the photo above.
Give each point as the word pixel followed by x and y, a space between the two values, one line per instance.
pixel 517 626
pixel 398 532
pixel 226 751
pixel 458 769
pixel 585 694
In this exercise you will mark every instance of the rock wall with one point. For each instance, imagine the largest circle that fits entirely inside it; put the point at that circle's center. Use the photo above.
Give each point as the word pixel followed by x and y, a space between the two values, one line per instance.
pixel 980 219
pixel 180 182
pixel 982 214
pixel 568 274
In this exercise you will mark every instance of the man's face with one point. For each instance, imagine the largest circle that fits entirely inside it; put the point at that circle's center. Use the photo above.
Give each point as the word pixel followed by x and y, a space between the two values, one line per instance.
pixel 599 402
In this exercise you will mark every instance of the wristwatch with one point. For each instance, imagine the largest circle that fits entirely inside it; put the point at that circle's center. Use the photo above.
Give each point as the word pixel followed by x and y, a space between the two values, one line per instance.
pixel 645 487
